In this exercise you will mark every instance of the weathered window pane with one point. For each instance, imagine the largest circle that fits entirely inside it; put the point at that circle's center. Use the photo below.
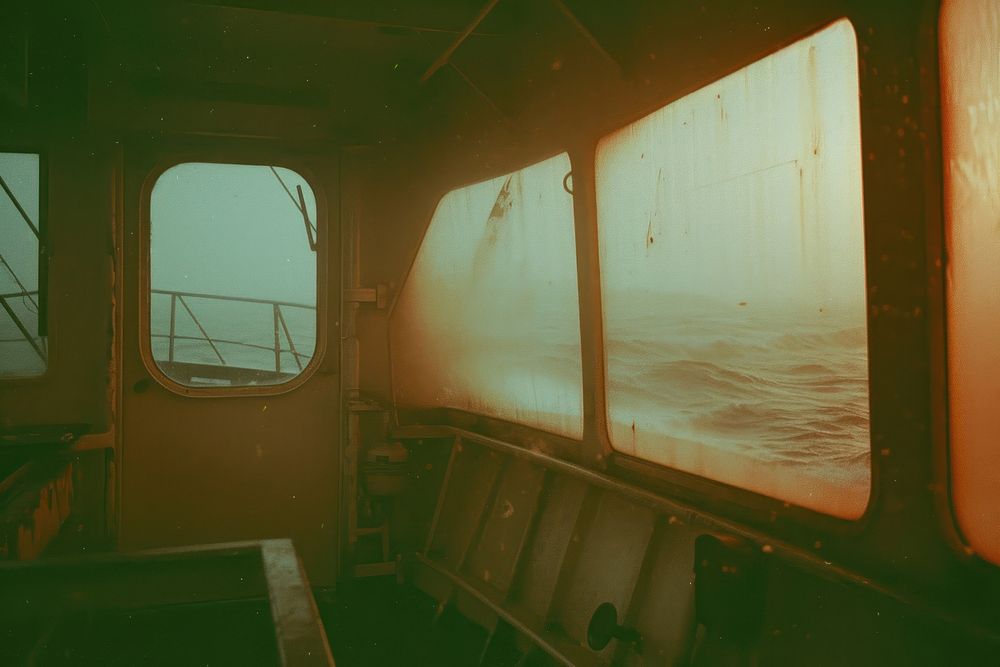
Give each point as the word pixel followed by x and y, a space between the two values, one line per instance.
pixel 23 352
pixel 970 69
pixel 732 262
pixel 233 274
pixel 488 320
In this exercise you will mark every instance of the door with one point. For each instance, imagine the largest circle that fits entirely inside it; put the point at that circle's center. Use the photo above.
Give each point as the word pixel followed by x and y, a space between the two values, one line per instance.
pixel 229 413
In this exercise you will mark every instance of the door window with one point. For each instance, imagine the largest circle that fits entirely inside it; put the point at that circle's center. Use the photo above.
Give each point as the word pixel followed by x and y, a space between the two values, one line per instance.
pixel 232 274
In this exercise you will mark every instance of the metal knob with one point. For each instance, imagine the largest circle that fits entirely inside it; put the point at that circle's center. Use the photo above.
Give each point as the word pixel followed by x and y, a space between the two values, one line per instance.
pixel 604 627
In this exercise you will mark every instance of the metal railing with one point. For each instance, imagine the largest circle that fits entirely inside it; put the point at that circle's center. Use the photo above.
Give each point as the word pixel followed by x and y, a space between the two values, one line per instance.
pixel 279 325
pixel 25 336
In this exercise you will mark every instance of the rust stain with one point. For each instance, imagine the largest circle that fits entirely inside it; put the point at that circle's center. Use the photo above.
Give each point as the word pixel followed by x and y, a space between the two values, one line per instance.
pixel 508 509
pixel 503 203
pixel 42 523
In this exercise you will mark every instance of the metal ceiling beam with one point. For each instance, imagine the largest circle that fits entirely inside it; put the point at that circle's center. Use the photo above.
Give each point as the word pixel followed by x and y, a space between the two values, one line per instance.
pixel 585 32
pixel 482 94
pixel 444 57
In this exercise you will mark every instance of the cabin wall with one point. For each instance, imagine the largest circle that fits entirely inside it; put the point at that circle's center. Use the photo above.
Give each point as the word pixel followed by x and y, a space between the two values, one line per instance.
pixel 160 468
pixel 906 539
pixel 54 501
pixel 200 469
pixel 79 385
pixel 57 493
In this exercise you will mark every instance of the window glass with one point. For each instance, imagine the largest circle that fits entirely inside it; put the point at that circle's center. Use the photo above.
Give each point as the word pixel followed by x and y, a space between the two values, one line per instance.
pixel 233 274
pixel 732 263
pixel 23 347
pixel 488 320
pixel 970 76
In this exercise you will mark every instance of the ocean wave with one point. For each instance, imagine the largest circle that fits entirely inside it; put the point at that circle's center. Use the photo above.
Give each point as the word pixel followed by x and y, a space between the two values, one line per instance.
pixel 781 392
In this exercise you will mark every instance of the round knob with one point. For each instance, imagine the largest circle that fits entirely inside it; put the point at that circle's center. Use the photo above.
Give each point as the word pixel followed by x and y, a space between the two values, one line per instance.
pixel 604 627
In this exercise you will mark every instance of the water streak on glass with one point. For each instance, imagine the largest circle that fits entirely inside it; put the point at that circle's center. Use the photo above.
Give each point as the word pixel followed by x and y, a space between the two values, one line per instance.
pixel 732 259
pixel 488 319
pixel 970 75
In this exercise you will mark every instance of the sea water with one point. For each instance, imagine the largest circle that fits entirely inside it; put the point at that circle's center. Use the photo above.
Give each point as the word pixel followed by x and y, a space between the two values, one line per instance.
pixel 243 333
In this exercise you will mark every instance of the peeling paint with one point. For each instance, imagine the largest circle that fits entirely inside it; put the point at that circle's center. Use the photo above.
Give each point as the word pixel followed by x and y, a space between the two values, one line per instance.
pixel 27 536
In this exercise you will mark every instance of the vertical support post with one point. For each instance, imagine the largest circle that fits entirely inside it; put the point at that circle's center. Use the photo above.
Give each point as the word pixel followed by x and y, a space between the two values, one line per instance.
pixel 595 427
pixel 204 333
pixel 351 454
pixel 288 337
pixel 173 326
pixel 277 338
pixel 351 375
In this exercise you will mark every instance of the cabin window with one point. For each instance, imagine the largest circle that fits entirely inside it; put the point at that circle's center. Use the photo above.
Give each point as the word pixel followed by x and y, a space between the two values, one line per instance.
pixel 232 258
pixel 970 75
pixel 488 320
pixel 23 343
pixel 733 275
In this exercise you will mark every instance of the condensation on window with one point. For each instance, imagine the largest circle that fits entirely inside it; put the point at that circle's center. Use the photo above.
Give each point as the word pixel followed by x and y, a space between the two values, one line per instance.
pixel 232 274
pixel 732 261
pixel 970 76
pixel 488 320
pixel 23 348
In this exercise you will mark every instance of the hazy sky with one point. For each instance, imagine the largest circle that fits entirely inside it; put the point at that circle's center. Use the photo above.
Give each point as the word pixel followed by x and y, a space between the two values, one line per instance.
pixel 747 190
pixel 231 230
pixel 224 229
pixel 482 262
pixel 488 319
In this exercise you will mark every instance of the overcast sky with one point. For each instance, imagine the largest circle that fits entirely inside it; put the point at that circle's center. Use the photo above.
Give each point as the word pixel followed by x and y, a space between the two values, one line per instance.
pixel 231 230
pixel 747 191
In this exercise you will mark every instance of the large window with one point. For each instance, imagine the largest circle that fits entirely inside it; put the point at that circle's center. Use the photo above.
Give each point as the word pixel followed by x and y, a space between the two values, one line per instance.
pixel 732 262
pixel 232 274
pixel 488 320
pixel 970 75
pixel 23 344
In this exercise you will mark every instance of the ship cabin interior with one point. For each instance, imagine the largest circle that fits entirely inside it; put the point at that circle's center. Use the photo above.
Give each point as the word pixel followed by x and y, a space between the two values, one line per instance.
pixel 499 332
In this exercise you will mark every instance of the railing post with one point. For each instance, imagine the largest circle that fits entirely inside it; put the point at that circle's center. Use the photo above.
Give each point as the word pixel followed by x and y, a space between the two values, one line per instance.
pixel 204 334
pixel 288 336
pixel 279 327
pixel 277 339
pixel 24 330
pixel 173 323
